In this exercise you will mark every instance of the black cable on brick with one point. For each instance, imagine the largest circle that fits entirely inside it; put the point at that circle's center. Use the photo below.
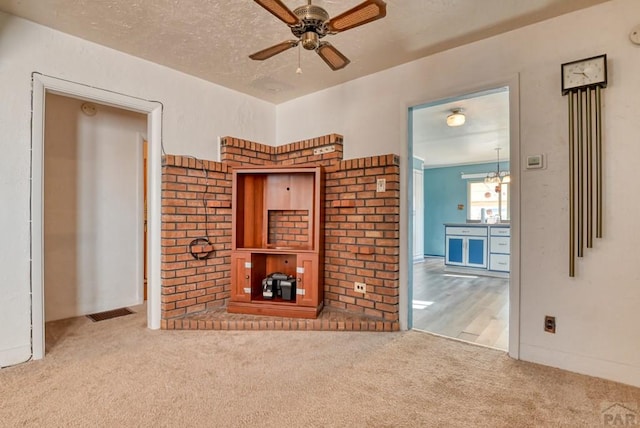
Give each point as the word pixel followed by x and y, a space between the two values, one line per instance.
pixel 203 240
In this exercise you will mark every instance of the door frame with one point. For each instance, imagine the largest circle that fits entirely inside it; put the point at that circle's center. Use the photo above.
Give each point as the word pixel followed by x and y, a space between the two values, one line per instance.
pixel 513 83
pixel 142 180
pixel 416 233
pixel 41 86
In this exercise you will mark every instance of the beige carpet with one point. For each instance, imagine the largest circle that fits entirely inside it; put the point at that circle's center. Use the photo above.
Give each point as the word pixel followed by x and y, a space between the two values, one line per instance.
pixel 117 373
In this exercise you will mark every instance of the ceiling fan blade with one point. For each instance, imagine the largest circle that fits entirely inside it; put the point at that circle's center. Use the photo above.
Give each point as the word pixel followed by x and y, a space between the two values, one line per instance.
pixel 332 56
pixel 273 50
pixel 280 11
pixel 363 13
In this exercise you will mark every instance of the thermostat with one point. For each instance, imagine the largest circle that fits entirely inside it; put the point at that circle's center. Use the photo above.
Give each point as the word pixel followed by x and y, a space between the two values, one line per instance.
pixel 534 161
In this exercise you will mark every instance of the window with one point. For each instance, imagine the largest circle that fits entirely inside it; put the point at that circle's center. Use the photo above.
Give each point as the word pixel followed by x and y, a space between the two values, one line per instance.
pixel 495 203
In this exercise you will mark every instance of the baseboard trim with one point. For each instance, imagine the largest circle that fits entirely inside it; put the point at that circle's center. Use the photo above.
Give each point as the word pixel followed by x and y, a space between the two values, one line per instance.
pixel 13 356
pixel 610 370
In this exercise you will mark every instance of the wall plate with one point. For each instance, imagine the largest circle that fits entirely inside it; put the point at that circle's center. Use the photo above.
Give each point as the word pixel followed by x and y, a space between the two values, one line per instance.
pixel 535 161
pixel 322 150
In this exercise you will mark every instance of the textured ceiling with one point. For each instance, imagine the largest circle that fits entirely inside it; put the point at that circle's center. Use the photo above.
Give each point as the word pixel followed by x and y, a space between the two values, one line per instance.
pixel 212 39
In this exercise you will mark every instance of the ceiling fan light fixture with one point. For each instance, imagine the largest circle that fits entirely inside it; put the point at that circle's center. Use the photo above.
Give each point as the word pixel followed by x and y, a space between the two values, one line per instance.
pixel 310 23
pixel 310 40
pixel 456 118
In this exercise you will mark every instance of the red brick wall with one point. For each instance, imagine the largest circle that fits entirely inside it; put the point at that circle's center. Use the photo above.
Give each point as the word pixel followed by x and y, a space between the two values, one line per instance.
pixel 288 228
pixel 301 152
pixel 361 228
pixel 362 236
pixel 234 151
pixel 196 202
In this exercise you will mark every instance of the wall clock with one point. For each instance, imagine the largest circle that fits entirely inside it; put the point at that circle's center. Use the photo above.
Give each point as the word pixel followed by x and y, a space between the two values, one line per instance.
pixel 582 82
pixel 583 73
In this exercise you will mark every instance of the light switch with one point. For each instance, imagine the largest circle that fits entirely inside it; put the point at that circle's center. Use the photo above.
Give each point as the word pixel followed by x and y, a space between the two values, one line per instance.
pixel 535 161
pixel 381 185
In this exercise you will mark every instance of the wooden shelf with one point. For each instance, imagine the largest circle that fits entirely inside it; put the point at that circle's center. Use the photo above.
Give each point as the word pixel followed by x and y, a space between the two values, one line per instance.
pixel 276 227
pixel 273 309
pixel 261 300
pixel 276 250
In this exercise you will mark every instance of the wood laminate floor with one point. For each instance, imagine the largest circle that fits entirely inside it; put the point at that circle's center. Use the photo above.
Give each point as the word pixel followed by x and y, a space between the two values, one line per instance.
pixel 468 307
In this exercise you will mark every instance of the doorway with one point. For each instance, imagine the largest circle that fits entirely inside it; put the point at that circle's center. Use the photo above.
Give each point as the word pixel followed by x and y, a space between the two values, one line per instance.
pixel 152 111
pixel 93 225
pixel 461 286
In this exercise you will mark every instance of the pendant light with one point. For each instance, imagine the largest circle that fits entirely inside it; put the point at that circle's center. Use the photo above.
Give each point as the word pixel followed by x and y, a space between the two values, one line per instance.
pixel 498 177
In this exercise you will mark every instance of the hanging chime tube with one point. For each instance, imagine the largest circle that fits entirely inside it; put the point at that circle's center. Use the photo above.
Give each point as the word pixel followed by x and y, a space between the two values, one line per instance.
pixel 579 177
pixel 589 170
pixel 572 189
pixel 598 163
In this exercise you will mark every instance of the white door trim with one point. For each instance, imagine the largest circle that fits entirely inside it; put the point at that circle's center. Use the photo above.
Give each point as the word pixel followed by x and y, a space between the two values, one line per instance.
pixel 41 85
pixel 141 138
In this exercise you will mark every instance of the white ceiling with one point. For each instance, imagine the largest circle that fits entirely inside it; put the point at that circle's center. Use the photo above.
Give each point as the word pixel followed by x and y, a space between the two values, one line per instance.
pixel 212 39
pixel 485 129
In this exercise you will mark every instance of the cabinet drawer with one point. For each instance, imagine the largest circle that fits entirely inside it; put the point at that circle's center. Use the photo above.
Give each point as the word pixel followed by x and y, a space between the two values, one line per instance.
pixel 499 262
pixel 500 231
pixel 500 244
pixel 466 231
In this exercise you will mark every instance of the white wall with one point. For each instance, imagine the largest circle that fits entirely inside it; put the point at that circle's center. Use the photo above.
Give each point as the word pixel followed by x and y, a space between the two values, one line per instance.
pixel 195 114
pixel 93 206
pixel 597 312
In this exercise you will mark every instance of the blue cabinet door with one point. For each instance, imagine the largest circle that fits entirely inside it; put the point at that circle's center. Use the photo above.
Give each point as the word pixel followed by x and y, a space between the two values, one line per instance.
pixel 477 252
pixel 455 250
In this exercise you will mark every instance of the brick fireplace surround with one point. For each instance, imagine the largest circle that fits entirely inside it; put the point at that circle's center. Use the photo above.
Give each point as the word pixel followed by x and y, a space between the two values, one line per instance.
pixel 361 238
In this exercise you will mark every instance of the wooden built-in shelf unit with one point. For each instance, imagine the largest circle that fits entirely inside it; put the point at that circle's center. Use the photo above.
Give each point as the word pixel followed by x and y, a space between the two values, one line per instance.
pixel 276 227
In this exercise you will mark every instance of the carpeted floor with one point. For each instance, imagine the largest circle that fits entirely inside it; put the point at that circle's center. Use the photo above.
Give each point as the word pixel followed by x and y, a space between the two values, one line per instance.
pixel 117 373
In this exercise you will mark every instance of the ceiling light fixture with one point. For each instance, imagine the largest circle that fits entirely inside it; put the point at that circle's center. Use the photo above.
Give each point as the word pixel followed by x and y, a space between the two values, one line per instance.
pixel 498 177
pixel 456 118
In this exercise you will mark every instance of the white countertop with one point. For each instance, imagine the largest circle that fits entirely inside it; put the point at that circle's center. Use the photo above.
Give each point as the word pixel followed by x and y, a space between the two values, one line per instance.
pixel 477 224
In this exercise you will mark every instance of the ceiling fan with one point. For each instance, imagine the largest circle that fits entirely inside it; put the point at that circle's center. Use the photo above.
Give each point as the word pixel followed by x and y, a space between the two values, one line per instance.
pixel 310 23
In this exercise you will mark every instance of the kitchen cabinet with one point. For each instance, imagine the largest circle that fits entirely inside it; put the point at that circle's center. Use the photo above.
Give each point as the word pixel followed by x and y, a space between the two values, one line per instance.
pixel 484 248
pixel 499 248
pixel 466 246
pixel 276 227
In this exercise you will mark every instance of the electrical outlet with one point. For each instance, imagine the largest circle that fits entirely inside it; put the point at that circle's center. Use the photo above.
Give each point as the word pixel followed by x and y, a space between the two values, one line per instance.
pixel 360 287
pixel 381 185
pixel 550 324
pixel 325 149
